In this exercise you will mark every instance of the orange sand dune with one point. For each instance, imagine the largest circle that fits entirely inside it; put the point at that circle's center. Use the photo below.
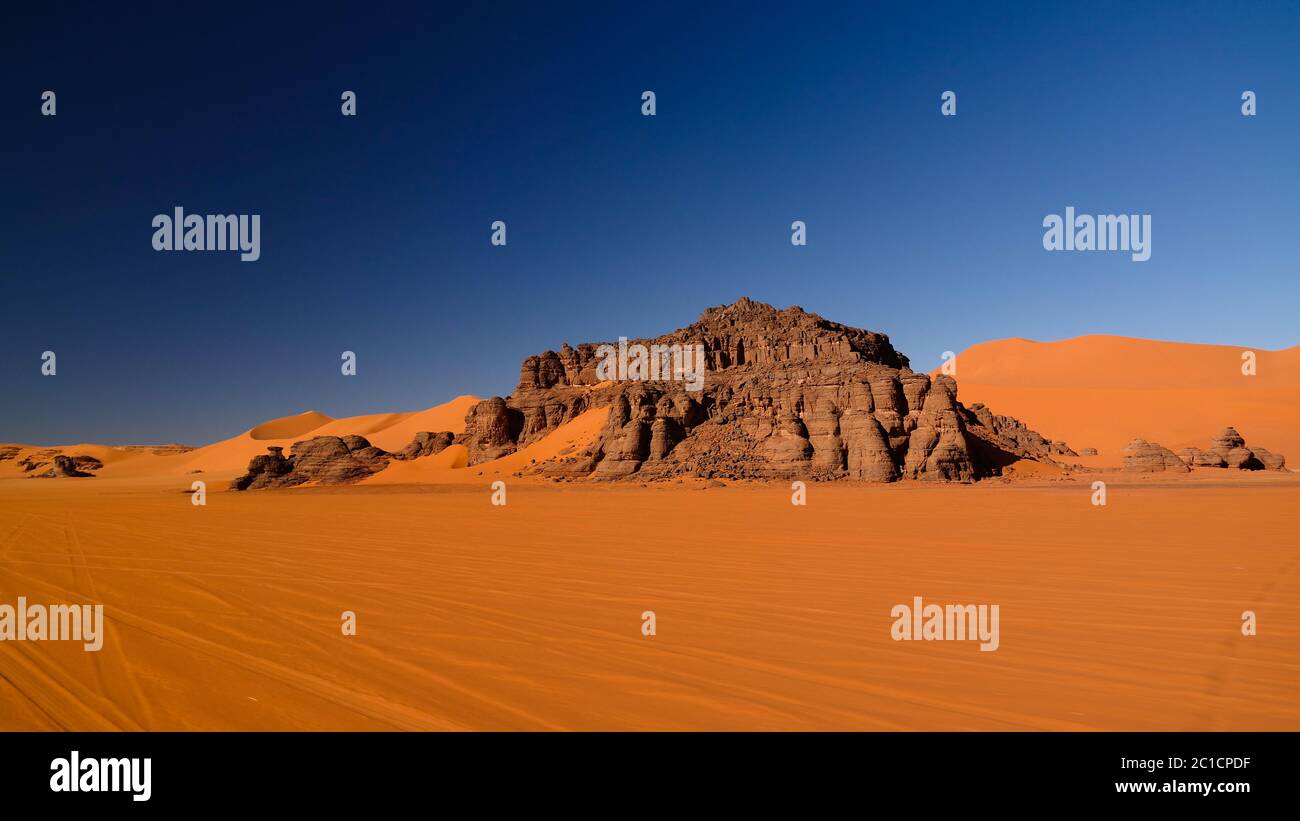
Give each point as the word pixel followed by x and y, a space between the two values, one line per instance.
pixel 229 458
pixel 769 616
pixel 391 431
pixel 1104 391
pixel 449 416
pixel 287 427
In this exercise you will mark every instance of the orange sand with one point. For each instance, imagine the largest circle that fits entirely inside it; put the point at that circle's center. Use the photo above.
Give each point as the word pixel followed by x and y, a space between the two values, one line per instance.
pixel 1104 391
pixel 769 615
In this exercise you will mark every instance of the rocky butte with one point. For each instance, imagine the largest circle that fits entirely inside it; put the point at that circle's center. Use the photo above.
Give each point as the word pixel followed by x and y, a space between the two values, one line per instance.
pixel 787 394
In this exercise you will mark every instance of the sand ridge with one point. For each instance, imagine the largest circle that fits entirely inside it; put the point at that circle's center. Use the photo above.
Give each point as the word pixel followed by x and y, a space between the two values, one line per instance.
pixel 1104 391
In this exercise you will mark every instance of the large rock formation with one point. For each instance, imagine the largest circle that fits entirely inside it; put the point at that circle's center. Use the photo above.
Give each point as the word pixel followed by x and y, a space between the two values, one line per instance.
pixel 785 394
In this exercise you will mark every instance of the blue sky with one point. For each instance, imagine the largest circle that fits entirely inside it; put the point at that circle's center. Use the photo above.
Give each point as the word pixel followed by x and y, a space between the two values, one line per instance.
pixel 375 229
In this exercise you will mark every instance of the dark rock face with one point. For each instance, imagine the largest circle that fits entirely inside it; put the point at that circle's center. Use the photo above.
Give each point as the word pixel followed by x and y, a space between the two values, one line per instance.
pixel 1017 437
pixel 328 460
pixel 39 459
pixel 425 444
pixel 60 465
pixel 68 467
pixel 786 394
pixel 1228 450
pixel 271 470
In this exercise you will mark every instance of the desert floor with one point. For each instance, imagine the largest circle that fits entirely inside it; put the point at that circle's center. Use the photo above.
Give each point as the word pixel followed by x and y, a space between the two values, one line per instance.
pixel 769 616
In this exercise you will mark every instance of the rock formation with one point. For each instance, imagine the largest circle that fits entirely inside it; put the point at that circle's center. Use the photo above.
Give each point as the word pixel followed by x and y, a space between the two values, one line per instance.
pixel 1141 456
pixel 786 394
pixel 327 460
pixel 269 470
pixel 59 464
pixel 1228 450
pixel 67 467
pixel 424 444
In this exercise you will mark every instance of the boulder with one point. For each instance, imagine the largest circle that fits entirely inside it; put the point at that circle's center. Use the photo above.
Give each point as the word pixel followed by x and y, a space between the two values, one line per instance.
pixel 425 444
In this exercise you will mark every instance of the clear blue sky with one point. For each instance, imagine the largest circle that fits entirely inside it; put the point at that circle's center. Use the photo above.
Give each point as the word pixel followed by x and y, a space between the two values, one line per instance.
pixel 375 228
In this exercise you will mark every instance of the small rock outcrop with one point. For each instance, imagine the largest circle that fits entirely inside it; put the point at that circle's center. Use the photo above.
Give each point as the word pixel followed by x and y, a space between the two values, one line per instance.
pixel 425 444
pixel 1228 450
pixel 268 470
pixel 1141 456
pixel 326 460
pixel 60 465
pixel 67 467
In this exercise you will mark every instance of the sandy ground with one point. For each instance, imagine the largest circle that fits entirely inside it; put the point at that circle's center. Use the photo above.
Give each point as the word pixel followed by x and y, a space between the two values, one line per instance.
pixel 227 616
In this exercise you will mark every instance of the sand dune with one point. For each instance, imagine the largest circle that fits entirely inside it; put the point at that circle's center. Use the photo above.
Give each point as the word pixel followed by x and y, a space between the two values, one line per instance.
pixel 1103 391
pixel 229 457
pixel 449 416
pixel 390 431
pixel 287 427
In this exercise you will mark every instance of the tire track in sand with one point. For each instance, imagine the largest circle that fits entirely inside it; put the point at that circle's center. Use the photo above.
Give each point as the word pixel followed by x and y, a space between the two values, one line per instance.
pixel 113 666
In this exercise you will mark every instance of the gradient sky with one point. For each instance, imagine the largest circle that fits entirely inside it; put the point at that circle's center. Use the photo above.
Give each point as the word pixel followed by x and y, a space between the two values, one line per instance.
pixel 375 229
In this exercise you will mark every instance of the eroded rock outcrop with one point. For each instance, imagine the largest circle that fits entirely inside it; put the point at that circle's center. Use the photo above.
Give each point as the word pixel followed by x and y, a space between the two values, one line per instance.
pixel 1141 456
pixel 1228 450
pixel 68 467
pixel 326 460
pixel 59 465
pixel 785 394
pixel 425 444
pixel 269 470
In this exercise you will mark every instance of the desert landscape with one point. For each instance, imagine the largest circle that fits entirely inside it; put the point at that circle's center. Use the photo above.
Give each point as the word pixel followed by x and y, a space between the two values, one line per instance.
pixel 630 495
